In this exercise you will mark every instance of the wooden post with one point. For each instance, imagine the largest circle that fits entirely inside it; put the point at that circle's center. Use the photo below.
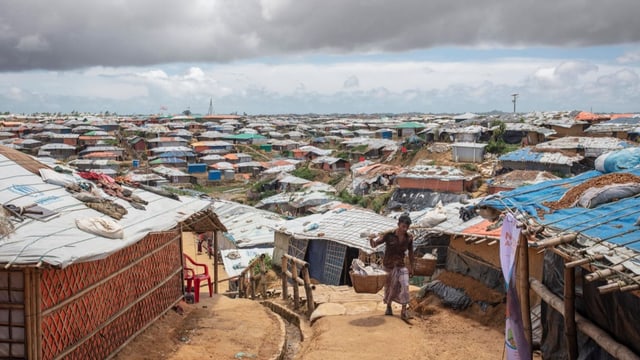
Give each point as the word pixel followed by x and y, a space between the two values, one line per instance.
pixel 307 289
pixel 570 313
pixel 215 262
pixel 296 290
pixel 285 266
pixel 252 285
pixel 522 285
pixel 31 304
pixel 241 290
pixel 37 290
pixel 263 278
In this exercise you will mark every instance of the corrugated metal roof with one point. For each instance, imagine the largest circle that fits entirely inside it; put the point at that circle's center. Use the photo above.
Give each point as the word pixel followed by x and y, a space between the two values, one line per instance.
pixel 584 143
pixel 349 227
pixel 247 226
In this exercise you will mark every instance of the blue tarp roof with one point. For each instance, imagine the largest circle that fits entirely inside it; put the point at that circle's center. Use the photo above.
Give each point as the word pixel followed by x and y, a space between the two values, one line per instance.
pixel 169 154
pixel 524 154
pixel 613 222
pixel 170 160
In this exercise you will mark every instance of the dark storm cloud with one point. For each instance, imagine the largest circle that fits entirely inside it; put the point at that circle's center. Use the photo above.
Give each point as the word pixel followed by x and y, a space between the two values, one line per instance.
pixel 73 34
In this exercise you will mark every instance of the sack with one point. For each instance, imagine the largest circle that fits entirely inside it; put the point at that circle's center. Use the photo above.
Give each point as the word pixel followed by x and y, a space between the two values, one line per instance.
pixel 101 227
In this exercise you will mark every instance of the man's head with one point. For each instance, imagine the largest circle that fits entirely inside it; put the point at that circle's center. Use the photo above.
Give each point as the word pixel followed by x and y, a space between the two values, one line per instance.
pixel 404 221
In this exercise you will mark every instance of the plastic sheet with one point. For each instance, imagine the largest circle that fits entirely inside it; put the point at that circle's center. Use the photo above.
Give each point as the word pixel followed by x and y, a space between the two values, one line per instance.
pixel 455 298
pixel 595 196
pixel 614 313
pixel 416 200
pixel 618 160
pixel 477 269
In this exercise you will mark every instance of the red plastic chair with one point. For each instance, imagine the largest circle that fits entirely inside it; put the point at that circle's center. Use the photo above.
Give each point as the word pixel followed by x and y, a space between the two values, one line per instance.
pixel 194 277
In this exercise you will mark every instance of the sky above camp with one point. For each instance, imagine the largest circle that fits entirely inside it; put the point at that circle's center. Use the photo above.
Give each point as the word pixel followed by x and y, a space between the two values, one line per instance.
pixel 309 56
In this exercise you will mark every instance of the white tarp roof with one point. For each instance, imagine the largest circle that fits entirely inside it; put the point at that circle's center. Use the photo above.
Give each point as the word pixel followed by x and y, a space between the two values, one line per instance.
pixel 349 227
pixel 236 260
pixel 58 241
pixel 247 227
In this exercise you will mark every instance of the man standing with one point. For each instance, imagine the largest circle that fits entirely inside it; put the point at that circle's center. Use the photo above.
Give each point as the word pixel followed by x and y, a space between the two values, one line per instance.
pixel 397 243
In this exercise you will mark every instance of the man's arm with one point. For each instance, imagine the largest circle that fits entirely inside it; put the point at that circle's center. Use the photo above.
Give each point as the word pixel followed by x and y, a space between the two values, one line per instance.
pixel 374 242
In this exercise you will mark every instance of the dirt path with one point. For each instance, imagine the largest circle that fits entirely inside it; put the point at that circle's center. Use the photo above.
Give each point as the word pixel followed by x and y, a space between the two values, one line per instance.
pixel 442 335
pixel 224 328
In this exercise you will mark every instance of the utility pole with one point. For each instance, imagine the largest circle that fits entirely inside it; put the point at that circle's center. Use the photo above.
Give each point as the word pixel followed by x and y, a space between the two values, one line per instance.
pixel 515 97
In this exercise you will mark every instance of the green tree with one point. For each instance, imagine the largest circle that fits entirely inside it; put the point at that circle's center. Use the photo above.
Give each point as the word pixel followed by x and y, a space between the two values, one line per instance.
pixel 496 143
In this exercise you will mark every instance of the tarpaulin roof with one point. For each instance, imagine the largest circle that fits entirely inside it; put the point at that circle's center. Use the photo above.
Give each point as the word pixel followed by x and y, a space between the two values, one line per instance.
pixel 58 241
pixel 527 155
pixel 236 260
pixel 349 227
pixel 614 222
pixel 247 227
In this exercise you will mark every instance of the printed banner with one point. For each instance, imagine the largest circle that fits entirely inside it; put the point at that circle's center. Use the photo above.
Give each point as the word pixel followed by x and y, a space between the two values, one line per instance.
pixel 516 343
pixel 508 246
pixel 515 339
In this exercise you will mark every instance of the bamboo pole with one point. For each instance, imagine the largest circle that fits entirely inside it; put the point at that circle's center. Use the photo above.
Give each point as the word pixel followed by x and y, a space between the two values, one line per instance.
pixel 298 280
pixel 307 289
pixel 285 290
pixel 612 287
pixel 229 278
pixel 522 284
pixel 629 288
pixel 38 312
pixel 29 314
pixel 583 261
pixel 569 311
pixel 296 290
pixel 263 281
pixel 215 262
pixel 598 335
pixel 295 260
pixel 562 239
pixel 601 274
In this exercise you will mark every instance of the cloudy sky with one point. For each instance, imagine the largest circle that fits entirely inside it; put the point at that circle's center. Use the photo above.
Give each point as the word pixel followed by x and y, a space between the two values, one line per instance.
pixel 310 56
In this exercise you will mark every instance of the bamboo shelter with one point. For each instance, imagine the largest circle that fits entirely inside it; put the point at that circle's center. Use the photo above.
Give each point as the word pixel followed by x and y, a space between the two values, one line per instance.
pixel 74 293
pixel 587 228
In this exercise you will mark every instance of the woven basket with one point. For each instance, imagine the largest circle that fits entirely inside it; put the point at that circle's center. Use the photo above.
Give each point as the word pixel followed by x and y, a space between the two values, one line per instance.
pixel 423 267
pixel 369 284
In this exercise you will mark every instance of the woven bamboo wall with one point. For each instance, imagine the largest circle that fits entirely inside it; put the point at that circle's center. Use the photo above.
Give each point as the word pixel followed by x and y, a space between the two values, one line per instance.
pixel 13 327
pixel 90 309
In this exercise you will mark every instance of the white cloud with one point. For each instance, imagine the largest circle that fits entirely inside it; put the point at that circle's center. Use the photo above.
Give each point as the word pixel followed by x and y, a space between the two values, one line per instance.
pixel 358 86
pixel 624 78
pixel 32 43
pixel 629 57
pixel 15 93
pixel 151 32
pixel 270 9
pixel 351 82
